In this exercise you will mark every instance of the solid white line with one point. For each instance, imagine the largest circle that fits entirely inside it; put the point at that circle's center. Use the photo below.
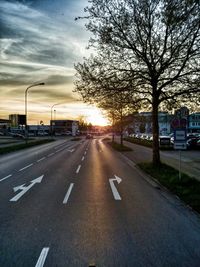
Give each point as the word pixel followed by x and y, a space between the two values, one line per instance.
pixel 68 193
pixel 42 257
pixel 51 154
pixel 26 167
pixel 78 169
pixel 41 159
pixel 83 158
pixel 6 177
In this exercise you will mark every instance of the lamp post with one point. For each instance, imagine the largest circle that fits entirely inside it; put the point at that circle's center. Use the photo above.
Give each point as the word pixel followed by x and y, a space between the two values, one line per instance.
pixel 26 107
pixel 52 115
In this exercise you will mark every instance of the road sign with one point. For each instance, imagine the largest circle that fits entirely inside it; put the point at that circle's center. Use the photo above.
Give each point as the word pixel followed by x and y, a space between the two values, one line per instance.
pixel 180 146
pixel 180 135
pixel 179 123
pixel 175 123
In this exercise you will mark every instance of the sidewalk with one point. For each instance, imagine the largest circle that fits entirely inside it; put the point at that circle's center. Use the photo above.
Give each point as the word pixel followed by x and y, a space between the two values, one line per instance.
pixel 190 160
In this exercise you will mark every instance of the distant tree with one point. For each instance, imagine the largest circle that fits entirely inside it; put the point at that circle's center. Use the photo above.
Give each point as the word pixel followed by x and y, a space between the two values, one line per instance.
pixel 154 44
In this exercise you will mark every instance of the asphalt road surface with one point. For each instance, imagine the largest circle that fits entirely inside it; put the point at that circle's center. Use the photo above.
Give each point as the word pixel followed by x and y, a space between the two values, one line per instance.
pixel 81 203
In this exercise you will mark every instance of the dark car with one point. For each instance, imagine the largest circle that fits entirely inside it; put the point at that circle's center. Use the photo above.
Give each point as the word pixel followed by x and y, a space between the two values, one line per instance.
pixel 193 143
pixel 89 136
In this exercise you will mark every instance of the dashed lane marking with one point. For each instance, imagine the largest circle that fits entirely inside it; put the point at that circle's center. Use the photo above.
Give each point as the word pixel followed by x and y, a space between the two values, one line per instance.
pixel 78 169
pixel 68 193
pixel 6 177
pixel 41 159
pixel 26 167
pixel 83 158
pixel 50 154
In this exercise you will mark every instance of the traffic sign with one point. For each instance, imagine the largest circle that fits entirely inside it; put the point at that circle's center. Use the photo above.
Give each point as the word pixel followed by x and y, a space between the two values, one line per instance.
pixel 179 123
pixel 180 135
pixel 180 146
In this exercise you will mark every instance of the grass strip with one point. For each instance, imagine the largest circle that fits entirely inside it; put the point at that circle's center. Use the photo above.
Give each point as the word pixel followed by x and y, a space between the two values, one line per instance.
pixel 186 188
pixel 4 150
pixel 119 147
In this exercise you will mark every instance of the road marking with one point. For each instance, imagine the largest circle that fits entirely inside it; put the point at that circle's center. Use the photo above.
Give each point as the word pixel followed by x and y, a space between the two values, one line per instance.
pixel 83 158
pixel 41 159
pixel 4 178
pixel 42 257
pixel 68 193
pixel 85 152
pixel 24 188
pixel 50 154
pixel 78 169
pixel 26 167
pixel 113 188
pixel 59 150
pixel 72 150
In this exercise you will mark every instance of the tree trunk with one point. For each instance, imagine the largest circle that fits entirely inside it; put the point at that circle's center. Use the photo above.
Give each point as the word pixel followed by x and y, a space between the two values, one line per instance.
pixel 121 127
pixel 156 152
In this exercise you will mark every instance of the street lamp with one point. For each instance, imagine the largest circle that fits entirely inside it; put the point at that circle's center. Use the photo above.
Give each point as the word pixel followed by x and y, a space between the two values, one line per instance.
pixel 26 106
pixel 52 115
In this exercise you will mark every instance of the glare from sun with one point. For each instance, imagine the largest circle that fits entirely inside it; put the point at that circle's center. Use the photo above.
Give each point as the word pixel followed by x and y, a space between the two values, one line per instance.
pixel 97 118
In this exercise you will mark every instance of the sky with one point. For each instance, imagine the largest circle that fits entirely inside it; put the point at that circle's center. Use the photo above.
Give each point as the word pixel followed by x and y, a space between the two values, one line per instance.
pixel 40 41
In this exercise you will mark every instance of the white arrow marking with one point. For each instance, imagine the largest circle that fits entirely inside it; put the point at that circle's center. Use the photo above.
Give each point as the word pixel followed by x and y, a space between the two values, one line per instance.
pixel 68 193
pixel 42 257
pixel 71 150
pixel 6 177
pixel 113 188
pixel 24 188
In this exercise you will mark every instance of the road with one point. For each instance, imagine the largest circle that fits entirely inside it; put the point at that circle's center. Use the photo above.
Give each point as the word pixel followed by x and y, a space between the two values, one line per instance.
pixel 81 203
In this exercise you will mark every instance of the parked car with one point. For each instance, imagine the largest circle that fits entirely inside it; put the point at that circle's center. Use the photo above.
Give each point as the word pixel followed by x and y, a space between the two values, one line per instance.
pixel 193 143
pixel 68 133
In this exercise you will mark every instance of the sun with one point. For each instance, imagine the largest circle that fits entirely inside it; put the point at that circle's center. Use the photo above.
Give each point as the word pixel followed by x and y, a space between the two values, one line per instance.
pixel 97 118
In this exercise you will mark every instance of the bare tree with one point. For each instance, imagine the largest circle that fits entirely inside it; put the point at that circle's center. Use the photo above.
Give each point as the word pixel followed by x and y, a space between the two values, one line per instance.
pixel 154 43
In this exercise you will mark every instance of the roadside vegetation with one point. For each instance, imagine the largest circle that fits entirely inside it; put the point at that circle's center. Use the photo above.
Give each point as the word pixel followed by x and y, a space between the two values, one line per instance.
pixel 138 141
pixel 4 150
pixel 119 147
pixel 186 188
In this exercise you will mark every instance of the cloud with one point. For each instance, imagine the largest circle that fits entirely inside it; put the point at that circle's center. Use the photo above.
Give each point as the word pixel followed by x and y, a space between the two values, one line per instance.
pixel 39 41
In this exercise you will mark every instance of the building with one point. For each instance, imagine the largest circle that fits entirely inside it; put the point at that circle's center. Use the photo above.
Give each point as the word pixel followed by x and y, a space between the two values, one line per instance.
pixel 4 125
pixel 194 122
pixel 64 126
pixel 17 120
pixel 142 123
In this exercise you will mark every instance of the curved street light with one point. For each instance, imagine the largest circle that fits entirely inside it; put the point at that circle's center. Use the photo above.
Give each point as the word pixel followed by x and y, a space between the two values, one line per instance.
pixel 26 106
pixel 52 116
